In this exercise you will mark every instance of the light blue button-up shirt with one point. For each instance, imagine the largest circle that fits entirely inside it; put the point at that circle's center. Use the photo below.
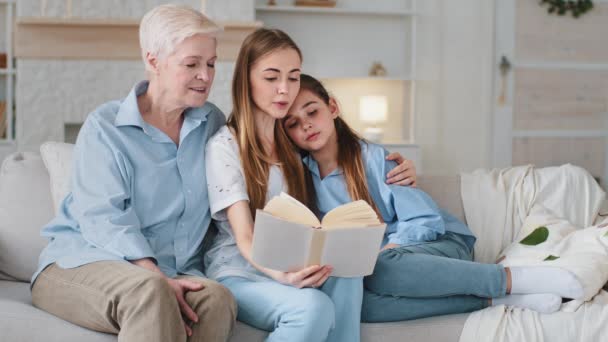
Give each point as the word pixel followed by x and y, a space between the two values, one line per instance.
pixel 411 216
pixel 134 193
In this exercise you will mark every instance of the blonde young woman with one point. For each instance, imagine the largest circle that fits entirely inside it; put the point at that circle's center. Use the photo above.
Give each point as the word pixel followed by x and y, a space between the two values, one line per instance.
pixel 248 162
pixel 125 247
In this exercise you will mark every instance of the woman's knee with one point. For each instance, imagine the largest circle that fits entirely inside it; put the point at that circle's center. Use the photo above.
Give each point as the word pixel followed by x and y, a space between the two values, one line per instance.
pixel 317 311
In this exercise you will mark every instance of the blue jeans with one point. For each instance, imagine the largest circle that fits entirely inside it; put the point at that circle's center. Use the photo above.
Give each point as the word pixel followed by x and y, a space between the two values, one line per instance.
pixel 429 279
pixel 330 313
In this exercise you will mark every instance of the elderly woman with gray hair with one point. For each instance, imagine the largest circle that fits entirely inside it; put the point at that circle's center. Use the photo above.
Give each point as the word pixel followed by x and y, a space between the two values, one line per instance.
pixel 124 255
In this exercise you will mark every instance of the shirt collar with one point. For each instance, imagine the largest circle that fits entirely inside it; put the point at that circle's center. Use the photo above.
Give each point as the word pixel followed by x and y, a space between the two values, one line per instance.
pixel 312 165
pixel 129 115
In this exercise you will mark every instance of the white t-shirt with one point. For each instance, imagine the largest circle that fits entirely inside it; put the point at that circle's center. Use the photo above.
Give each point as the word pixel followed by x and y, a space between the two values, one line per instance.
pixel 227 186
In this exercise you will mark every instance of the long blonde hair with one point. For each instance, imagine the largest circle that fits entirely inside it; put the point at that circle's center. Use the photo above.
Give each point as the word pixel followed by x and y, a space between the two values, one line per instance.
pixel 256 162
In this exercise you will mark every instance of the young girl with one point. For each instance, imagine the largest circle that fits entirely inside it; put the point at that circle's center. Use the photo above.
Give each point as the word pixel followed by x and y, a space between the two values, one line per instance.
pixel 248 162
pixel 424 267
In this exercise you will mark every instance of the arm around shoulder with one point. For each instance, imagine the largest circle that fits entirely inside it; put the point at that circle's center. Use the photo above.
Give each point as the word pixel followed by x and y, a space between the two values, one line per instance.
pixel 412 215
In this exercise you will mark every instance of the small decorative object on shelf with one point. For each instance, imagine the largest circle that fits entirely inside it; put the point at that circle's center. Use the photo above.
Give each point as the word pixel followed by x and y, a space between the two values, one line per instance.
pixel 377 69
pixel 2 120
pixel 316 3
pixel 272 3
pixel 2 60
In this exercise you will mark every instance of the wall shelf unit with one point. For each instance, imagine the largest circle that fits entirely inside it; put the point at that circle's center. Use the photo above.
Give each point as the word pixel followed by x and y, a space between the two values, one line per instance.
pixel 340 44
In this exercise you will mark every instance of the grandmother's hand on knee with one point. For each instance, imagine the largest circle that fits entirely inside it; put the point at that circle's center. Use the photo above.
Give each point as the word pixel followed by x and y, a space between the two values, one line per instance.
pixel 181 287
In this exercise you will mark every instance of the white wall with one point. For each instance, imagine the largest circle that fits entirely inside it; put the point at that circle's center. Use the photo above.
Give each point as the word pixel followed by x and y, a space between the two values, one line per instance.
pixel 454 95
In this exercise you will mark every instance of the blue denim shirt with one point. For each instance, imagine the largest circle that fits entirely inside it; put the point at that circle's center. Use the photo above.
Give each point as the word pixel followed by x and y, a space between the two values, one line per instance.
pixel 134 193
pixel 411 216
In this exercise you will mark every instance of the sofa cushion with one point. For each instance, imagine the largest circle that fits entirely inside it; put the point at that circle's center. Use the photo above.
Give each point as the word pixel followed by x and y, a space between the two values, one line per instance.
pixel 57 157
pixel 25 206
pixel 445 190
pixel 20 321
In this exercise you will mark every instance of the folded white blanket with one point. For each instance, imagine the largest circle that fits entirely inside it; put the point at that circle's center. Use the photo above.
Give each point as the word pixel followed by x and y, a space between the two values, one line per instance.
pixel 583 252
pixel 497 202
pixel 501 324
pixel 502 206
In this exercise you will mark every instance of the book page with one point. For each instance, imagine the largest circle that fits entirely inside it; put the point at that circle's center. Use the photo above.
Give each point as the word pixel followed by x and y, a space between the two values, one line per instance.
pixel 316 247
pixel 352 252
pixel 280 245
pixel 290 209
pixel 353 214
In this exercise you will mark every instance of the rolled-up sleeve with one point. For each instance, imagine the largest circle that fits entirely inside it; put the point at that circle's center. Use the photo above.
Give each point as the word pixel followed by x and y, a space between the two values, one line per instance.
pixel 101 185
pixel 418 218
pixel 414 216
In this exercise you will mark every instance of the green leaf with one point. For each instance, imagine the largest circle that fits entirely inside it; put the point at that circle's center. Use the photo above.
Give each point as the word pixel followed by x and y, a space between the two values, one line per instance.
pixel 606 234
pixel 551 258
pixel 538 236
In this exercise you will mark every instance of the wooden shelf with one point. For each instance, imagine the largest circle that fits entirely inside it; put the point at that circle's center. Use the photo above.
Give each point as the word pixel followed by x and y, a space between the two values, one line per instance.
pixel 84 38
pixel 333 10
pixel 74 21
pixel 366 78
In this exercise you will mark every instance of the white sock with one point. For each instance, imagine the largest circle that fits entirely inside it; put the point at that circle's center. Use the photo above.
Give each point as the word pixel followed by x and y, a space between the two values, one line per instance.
pixel 540 302
pixel 543 279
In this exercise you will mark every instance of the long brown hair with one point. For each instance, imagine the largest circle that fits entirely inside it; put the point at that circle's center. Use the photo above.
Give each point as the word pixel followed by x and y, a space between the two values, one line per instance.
pixel 256 162
pixel 349 150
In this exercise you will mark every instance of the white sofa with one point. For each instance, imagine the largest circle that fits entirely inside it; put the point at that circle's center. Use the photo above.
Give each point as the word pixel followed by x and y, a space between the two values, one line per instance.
pixel 26 205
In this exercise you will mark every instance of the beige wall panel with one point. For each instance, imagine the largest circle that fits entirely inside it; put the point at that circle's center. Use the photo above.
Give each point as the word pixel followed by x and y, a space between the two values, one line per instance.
pixel 588 153
pixel 551 38
pixel 560 99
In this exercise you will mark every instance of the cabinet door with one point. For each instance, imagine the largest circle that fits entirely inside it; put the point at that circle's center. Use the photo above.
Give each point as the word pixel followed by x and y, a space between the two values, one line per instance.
pixel 551 94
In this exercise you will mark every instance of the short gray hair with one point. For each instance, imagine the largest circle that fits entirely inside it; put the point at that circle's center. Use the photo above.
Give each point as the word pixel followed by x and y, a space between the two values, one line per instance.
pixel 165 26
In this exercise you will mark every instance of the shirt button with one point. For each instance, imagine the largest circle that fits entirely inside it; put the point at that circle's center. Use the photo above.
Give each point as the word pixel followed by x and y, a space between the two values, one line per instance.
pixel 189 191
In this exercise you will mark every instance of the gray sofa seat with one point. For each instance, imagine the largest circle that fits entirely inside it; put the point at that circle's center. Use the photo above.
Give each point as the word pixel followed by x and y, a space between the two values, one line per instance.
pixel 21 322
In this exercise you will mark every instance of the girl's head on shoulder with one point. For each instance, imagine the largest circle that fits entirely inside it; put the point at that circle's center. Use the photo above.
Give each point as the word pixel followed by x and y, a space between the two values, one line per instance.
pixel 310 122
pixel 267 75
pixel 314 124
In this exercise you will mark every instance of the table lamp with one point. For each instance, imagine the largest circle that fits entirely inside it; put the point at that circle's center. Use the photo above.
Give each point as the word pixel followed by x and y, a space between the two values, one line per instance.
pixel 373 109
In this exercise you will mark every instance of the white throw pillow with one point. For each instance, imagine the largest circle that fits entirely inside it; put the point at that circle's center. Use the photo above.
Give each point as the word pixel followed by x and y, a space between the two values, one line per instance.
pixel 57 157
pixel 25 207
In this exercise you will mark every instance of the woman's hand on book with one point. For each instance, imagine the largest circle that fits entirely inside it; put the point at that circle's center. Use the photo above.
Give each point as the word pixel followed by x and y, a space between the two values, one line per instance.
pixel 312 276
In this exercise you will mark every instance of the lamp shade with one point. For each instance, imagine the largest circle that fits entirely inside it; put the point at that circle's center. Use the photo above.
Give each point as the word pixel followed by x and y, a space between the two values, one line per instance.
pixel 373 108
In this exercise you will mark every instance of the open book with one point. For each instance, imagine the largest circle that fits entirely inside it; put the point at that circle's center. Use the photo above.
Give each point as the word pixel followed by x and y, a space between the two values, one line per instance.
pixel 287 236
